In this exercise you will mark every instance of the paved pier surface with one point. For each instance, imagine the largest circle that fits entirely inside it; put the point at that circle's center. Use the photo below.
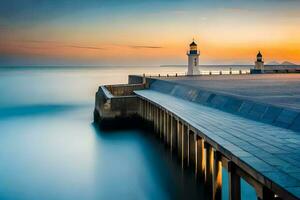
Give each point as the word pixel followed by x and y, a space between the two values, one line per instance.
pixel 276 89
pixel 269 153
pixel 253 120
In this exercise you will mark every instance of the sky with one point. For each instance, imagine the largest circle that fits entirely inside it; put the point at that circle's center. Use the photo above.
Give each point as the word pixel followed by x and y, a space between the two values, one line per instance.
pixel 147 32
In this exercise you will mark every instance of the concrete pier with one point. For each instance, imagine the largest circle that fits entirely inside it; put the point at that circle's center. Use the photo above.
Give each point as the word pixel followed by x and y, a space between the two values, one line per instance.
pixel 208 139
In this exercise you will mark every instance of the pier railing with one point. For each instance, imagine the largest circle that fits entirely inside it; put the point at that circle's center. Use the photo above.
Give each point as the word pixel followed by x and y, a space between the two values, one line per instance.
pixel 207 73
pixel 124 89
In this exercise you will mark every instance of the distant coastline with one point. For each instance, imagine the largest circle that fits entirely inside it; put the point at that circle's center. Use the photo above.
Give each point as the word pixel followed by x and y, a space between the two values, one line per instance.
pixel 71 67
pixel 173 65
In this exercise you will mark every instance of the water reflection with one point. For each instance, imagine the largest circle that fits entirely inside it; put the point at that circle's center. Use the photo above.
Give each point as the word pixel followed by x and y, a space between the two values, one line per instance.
pixel 140 167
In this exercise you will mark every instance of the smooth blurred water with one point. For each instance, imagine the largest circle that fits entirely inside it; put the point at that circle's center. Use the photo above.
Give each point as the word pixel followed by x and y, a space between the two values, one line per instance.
pixel 50 149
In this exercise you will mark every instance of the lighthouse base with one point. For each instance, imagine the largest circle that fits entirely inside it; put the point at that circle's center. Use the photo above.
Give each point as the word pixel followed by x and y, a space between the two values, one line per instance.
pixel 193 71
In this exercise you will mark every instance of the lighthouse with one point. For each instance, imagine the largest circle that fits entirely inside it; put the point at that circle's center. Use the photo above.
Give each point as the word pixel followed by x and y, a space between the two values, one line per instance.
pixel 259 63
pixel 193 59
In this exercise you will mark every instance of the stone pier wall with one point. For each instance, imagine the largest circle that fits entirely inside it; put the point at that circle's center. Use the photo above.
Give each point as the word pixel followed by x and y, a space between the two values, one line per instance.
pixel 117 101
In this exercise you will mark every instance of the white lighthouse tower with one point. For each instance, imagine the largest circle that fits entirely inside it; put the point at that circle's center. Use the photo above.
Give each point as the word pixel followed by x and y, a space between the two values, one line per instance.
pixel 259 63
pixel 193 59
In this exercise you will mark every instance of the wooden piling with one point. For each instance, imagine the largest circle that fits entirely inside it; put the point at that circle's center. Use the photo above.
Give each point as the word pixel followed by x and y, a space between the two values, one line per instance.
pixel 179 139
pixel 234 182
pixel 192 149
pixel 217 177
pixel 185 145
pixel 200 157
pixel 174 134
pixel 209 167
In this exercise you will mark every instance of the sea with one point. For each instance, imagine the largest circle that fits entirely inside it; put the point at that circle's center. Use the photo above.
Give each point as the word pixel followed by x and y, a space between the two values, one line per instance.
pixel 50 149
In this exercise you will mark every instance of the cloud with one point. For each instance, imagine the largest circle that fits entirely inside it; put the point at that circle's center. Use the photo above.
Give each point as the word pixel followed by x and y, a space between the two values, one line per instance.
pixel 37 41
pixel 85 47
pixel 50 44
pixel 56 45
pixel 31 47
pixel 145 47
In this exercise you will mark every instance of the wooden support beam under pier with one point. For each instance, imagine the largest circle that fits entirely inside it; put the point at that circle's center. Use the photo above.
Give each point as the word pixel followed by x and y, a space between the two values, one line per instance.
pixel 179 140
pixel 217 176
pixel 168 129
pixel 173 134
pixel 209 167
pixel 185 145
pixel 200 157
pixel 192 149
pixel 234 182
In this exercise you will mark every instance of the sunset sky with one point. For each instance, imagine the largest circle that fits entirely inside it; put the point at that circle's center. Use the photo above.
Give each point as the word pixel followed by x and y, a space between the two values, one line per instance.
pixel 147 32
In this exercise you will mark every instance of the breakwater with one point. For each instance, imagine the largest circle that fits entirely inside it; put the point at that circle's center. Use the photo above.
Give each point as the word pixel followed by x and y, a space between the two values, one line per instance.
pixel 209 130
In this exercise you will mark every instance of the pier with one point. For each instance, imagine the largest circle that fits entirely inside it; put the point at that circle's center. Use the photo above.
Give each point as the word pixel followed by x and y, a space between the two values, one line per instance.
pixel 247 124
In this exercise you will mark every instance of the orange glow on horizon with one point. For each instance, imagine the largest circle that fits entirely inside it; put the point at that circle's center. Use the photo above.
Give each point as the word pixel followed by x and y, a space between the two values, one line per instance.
pixel 209 52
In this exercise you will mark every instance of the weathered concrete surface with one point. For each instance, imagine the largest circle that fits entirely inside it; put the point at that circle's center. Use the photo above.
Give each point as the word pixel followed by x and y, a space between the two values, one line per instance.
pixel 124 89
pixel 267 153
pixel 277 89
pixel 248 105
pixel 135 79
pixel 117 101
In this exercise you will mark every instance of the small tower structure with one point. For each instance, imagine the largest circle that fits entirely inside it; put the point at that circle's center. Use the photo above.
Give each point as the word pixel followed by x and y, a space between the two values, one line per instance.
pixel 259 63
pixel 193 60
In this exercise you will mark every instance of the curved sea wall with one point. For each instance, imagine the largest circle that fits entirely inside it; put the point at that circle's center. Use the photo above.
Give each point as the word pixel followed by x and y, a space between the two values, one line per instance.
pixel 266 113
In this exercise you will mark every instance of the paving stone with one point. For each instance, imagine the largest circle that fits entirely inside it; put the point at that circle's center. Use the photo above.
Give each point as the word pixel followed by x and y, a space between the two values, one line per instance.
pixel 257 111
pixel 296 124
pixel 232 105
pixel 282 179
pixel 271 151
pixel 271 114
pixel 286 118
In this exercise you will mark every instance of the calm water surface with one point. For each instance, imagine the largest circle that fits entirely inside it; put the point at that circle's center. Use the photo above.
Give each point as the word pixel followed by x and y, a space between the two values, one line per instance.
pixel 50 149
